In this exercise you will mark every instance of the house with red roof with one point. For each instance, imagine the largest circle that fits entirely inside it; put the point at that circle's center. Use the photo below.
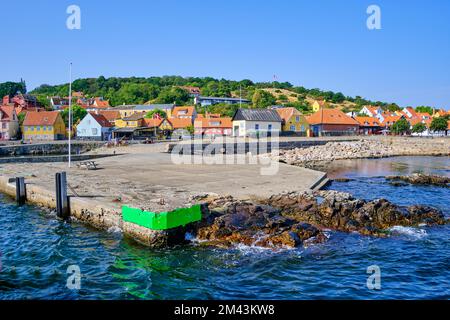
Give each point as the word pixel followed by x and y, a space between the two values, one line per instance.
pixel 213 126
pixel 184 112
pixel 94 127
pixel 43 125
pixel 369 125
pixel 371 111
pixel 332 122
pixel 410 112
pixel 9 123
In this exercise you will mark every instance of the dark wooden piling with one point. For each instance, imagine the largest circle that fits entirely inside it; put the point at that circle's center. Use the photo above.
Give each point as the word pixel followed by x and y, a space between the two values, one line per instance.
pixel 21 193
pixel 62 200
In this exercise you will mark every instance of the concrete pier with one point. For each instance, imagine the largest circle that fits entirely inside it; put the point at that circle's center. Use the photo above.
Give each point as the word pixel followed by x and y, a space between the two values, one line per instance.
pixel 147 179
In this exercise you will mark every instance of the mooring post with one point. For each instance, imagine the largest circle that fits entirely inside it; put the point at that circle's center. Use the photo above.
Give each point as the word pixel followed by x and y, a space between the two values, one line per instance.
pixel 62 200
pixel 21 193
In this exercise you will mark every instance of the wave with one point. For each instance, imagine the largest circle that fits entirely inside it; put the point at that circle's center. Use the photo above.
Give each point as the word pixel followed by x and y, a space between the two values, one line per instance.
pixel 412 232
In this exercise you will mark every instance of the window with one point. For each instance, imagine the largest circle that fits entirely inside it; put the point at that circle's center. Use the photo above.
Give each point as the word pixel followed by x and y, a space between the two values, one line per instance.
pixel 292 128
pixel 256 126
pixel 45 128
pixel 4 125
pixel 269 127
pixel 94 131
pixel 297 118
pixel 31 128
pixel 303 128
pixel 38 128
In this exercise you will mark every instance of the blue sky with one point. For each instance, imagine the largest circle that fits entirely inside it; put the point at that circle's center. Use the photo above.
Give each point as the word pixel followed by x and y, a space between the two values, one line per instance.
pixel 318 44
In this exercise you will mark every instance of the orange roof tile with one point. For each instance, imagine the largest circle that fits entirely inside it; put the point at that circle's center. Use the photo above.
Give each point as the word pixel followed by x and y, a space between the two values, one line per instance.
pixel 7 112
pixel 43 118
pixel 180 123
pixel 391 119
pixel 110 115
pixel 152 122
pixel 331 116
pixel 101 120
pixel 287 113
pixel 213 122
pixel 186 111
pixel 368 121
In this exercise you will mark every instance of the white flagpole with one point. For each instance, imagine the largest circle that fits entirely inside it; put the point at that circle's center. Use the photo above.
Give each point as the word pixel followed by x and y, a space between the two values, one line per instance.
pixel 70 110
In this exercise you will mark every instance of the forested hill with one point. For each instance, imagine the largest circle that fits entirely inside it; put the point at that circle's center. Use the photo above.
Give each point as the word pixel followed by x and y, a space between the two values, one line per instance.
pixel 167 89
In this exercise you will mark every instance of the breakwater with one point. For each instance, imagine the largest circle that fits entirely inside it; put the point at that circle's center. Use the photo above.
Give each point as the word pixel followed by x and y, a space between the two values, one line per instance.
pixel 55 148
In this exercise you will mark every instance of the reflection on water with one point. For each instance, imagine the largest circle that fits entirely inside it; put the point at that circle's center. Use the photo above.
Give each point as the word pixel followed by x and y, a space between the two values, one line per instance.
pixel 389 166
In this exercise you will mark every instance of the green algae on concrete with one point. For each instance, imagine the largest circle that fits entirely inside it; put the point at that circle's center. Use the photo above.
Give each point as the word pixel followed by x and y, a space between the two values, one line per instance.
pixel 163 220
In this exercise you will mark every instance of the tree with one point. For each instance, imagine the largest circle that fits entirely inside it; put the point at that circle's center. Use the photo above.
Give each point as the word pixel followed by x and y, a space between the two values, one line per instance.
pixel 78 113
pixel 400 127
pixel 160 112
pixel 419 127
pixel 263 99
pixel 426 109
pixel 439 124
pixel 12 88
pixel 173 95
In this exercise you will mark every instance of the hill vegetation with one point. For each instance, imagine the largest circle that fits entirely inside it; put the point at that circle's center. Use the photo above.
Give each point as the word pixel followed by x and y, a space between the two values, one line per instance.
pixel 167 89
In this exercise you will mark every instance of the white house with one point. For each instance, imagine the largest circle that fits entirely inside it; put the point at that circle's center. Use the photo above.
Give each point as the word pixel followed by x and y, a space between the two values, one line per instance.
pixel 94 127
pixel 252 122
pixel 371 111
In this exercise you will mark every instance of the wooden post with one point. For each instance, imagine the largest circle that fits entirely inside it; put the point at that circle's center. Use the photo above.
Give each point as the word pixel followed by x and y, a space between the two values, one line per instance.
pixel 62 200
pixel 21 193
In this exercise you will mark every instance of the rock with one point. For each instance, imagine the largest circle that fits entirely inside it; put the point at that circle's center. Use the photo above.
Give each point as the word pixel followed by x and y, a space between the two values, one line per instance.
pixel 340 211
pixel 234 222
pixel 342 180
pixel 423 179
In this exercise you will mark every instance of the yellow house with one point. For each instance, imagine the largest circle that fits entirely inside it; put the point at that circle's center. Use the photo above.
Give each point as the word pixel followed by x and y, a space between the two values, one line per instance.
pixel 319 104
pixel 44 125
pixel 135 120
pixel 293 120
pixel 129 110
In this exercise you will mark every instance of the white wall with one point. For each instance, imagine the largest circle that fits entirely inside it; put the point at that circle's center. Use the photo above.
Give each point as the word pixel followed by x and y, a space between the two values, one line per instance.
pixel 249 127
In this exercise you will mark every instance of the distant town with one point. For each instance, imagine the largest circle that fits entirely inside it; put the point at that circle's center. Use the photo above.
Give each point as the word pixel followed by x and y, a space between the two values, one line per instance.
pixel 30 118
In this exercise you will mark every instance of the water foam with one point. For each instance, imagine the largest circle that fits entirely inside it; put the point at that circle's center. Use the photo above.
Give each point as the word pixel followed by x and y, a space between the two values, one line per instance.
pixel 408 231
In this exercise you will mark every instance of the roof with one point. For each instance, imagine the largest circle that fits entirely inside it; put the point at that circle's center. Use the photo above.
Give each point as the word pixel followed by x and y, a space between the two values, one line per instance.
pixel 110 115
pixel 135 116
pixel 331 116
pixel 59 101
pixel 7 112
pixel 423 114
pixel 102 121
pixel 153 122
pixel 257 115
pixel 368 121
pixel 415 120
pixel 411 111
pixel 43 118
pixel 287 113
pixel 213 122
pixel 372 109
pixel 183 111
pixel 100 103
pixel 180 123
pixel 391 119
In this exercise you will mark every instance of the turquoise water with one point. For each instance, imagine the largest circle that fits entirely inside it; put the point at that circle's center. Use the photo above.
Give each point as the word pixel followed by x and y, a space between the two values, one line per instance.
pixel 36 250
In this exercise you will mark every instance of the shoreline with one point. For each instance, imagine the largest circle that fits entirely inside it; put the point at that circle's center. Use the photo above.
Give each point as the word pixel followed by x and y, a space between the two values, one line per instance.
pixel 104 212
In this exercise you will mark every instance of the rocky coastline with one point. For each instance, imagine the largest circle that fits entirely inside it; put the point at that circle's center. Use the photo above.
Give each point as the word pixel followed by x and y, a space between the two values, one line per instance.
pixel 317 157
pixel 296 219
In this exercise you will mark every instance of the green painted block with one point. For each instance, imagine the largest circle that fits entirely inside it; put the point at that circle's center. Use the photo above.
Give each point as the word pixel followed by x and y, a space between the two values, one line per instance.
pixel 162 220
